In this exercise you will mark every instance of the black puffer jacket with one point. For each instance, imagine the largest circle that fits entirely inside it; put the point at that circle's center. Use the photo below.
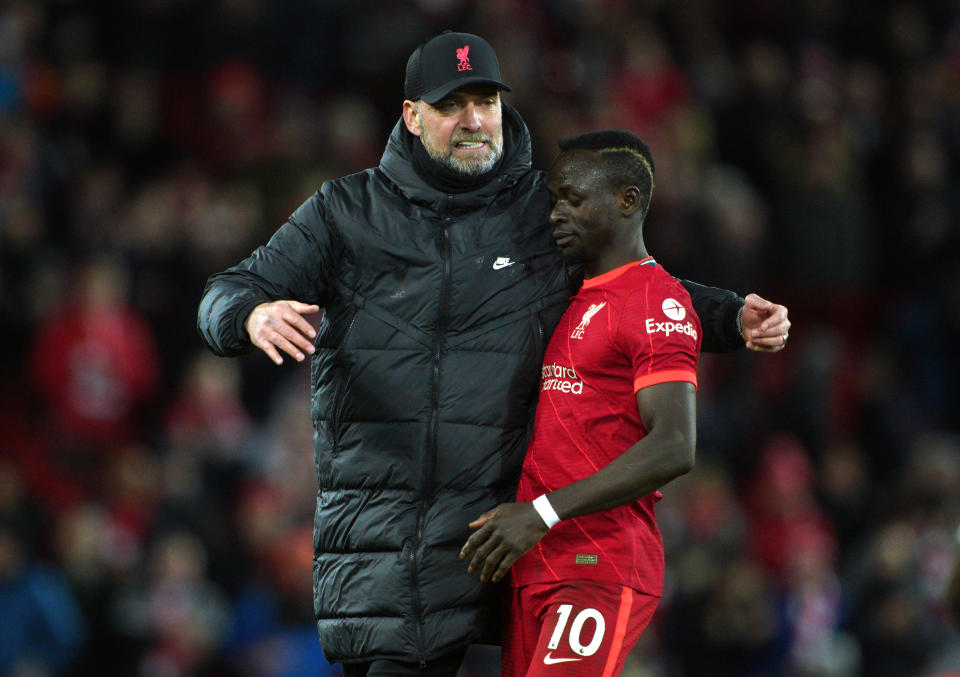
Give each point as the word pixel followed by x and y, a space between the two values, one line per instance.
pixel 437 312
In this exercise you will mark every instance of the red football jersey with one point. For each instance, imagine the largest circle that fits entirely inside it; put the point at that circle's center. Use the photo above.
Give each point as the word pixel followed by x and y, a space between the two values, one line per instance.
pixel 625 330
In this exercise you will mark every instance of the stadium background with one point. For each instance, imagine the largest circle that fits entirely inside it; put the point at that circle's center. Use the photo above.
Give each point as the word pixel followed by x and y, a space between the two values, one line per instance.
pixel 156 502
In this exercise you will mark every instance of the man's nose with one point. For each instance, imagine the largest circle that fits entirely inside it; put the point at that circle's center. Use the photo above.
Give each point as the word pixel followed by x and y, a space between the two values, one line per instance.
pixel 555 216
pixel 470 117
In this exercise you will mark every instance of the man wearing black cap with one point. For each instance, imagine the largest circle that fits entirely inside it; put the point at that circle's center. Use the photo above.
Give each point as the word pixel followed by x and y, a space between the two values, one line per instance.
pixel 441 284
pixel 460 84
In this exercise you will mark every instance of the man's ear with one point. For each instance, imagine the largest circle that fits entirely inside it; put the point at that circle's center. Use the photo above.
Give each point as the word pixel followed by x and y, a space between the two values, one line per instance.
pixel 630 200
pixel 411 117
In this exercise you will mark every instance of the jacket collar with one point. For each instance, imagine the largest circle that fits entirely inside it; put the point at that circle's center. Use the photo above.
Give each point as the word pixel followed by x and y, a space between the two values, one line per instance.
pixel 397 164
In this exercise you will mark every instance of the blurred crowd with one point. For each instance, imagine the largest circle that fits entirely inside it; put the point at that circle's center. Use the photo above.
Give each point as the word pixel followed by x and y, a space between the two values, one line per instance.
pixel 156 502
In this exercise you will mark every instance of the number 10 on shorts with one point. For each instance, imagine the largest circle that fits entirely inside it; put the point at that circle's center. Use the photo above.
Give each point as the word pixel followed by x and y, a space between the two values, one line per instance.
pixel 575 635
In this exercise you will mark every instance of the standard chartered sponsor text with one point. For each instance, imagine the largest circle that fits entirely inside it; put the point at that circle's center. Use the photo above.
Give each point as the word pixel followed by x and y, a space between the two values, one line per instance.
pixel 558 377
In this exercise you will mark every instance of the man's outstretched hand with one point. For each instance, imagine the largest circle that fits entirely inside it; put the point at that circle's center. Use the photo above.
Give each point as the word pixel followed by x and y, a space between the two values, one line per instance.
pixel 764 325
pixel 281 325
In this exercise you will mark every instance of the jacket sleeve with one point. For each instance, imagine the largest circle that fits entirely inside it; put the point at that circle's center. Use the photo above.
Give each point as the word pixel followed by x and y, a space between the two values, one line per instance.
pixel 719 311
pixel 295 264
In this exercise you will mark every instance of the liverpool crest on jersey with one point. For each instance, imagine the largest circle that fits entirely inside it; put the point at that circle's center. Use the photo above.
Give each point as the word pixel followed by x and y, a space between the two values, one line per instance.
pixel 587 316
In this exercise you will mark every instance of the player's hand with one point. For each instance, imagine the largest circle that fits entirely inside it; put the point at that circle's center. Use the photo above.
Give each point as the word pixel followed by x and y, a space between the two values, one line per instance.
pixel 764 325
pixel 280 325
pixel 503 535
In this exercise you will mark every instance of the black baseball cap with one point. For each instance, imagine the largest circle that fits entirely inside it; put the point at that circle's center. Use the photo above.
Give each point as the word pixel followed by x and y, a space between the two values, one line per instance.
pixel 448 62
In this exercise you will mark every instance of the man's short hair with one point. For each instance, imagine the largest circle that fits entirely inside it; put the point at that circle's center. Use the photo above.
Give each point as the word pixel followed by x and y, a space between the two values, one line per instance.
pixel 627 159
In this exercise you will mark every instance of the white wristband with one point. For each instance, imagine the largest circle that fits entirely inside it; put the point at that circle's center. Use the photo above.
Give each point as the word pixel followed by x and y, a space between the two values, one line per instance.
pixel 542 506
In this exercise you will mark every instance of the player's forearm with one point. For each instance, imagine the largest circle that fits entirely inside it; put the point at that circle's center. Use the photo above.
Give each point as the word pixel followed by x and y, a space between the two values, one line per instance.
pixel 642 469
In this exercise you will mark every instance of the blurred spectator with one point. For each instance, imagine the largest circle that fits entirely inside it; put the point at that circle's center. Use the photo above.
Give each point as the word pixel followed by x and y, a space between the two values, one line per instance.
pixel 207 417
pixel 736 628
pixel 94 363
pixel 176 613
pixel 816 608
pixel 96 553
pixel 43 626
pixel 783 510
pixel 650 86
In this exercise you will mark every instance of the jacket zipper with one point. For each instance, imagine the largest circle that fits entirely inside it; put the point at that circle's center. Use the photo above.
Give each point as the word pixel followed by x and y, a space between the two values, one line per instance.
pixel 437 357
pixel 429 461
pixel 541 352
pixel 353 320
pixel 417 607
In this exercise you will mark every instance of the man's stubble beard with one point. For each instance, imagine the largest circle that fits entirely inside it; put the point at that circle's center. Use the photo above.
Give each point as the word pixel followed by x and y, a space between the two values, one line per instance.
pixel 444 156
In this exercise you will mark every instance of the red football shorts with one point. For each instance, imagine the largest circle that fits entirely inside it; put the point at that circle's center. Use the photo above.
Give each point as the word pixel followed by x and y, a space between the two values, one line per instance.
pixel 576 628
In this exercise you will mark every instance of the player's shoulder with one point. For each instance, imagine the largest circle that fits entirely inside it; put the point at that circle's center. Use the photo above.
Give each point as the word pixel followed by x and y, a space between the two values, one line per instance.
pixel 635 274
pixel 662 280
pixel 649 274
pixel 673 299
pixel 651 286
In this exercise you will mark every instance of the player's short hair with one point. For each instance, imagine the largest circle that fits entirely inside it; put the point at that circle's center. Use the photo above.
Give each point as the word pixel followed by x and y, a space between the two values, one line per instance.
pixel 627 159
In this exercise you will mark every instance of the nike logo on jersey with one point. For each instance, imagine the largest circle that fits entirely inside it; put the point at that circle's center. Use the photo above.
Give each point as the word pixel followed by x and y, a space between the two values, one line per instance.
pixel 550 660
pixel 502 262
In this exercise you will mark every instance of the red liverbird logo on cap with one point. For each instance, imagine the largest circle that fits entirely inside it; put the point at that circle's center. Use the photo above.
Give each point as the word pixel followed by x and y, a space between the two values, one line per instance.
pixel 464 55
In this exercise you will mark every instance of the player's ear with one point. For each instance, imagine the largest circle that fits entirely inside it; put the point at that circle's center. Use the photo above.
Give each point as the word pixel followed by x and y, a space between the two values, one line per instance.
pixel 411 117
pixel 630 200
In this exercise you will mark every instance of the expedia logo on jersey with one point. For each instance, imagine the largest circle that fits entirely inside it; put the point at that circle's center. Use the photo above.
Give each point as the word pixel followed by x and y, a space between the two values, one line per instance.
pixel 564 379
pixel 676 312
